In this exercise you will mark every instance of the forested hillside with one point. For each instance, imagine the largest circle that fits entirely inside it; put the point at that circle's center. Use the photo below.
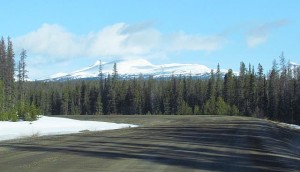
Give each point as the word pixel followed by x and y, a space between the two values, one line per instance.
pixel 273 94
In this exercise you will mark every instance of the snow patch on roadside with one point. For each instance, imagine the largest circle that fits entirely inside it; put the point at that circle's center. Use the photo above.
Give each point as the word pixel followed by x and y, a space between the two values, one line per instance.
pixel 53 126
pixel 292 126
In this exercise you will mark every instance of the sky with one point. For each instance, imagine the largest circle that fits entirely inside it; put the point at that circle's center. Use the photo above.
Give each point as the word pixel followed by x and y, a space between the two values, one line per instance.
pixel 66 35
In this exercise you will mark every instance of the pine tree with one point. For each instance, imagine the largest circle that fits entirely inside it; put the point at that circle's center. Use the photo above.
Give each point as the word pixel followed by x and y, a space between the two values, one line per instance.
pixel 210 107
pixel 261 95
pixel 273 92
pixel 115 72
pixel 282 94
pixel 1 97
pixel 174 96
pixel 218 82
pixel 129 100
pixel 113 90
pixel 296 105
pixel 100 77
pixel 2 72
pixel 252 92
pixel 241 86
pixel 167 99
pixel 211 93
pixel 222 108
pixel 84 100
pixel 9 76
pixel 65 102
pixel 99 104
pixel 229 87
pixel 2 59
pixel 22 75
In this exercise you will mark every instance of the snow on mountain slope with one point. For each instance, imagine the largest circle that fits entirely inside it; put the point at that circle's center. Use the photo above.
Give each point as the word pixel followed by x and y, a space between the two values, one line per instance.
pixel 58 75
pixel 133 68
pixel 294 65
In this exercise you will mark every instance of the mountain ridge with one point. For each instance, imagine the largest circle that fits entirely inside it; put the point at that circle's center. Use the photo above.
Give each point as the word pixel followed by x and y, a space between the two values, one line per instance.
pixel 134 68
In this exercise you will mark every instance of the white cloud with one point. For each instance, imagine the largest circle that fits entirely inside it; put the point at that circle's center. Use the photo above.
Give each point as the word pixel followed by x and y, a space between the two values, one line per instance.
pixel 184 42
pixel 260 34
pixel 53 44
pixel 120 39
pixel 52 41
pixel 114 41
pixel 253 41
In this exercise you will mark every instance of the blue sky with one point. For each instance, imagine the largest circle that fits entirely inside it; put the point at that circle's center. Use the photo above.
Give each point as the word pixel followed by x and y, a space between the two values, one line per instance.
pixel 64 35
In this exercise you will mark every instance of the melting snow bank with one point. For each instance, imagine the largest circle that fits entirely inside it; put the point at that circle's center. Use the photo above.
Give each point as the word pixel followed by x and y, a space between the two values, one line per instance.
pixel 53 126
pixel 292 126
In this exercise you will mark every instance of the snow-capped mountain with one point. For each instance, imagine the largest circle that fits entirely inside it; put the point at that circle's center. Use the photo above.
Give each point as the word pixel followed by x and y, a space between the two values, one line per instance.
pixel 134 68
pixel 294 65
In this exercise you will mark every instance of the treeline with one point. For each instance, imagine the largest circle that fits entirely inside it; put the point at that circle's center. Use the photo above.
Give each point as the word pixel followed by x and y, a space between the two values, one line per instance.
pixel 274 94
pixel 12 94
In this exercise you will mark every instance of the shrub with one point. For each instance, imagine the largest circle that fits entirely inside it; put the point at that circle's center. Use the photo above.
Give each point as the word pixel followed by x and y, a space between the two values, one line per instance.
pixel 27 112
pixel 10 115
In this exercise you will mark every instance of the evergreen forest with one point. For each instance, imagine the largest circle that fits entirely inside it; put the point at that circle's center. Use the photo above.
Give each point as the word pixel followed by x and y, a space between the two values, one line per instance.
pixel 273 93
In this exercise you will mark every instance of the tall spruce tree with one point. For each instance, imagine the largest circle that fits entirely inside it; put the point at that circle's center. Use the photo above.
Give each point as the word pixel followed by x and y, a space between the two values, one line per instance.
pixel 2 59
pixel 273 91
pixel 229 87
pixel 261 95
pixel 211 93
pixel 22 75
pixel 240 100
pixel 9 75
pixel 2 72
pixel 218 82
pixel 99 104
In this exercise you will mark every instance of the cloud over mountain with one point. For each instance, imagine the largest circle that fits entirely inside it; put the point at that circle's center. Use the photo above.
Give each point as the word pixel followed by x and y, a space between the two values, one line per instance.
pixel 260 34
pixel 52 41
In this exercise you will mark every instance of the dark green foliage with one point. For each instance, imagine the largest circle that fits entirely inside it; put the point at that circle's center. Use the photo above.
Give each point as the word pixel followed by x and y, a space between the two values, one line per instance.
pixel 27 112
pixel 210 107
pixel 222 108
pixel 13 94
pixel 229 89
pixel 219 83
pixel 274 95
pixel 251 93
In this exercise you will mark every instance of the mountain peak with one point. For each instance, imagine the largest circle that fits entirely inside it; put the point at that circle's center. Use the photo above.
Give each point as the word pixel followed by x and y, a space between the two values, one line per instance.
pixel 130 68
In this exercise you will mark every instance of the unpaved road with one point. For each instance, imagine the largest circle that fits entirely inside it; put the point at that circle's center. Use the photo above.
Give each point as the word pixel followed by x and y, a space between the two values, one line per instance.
pixel 170 144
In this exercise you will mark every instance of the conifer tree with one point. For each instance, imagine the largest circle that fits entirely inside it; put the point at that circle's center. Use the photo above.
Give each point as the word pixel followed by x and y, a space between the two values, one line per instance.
pixel 273 92
pixel 2 59
pixel 211 86
pixel 99 104
pixel 22 75
pixel 261 95
pixel 252 92
pixel 241 86
pixel 229 87
pixel 1 97
pixel 167 99
pixel 9 75
pixel 65 102
pixel 2 72
pixel 115 73
pixel 218 82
